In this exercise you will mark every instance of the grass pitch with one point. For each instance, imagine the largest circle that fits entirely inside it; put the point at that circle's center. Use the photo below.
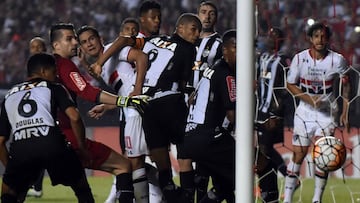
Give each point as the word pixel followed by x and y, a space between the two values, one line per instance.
pixel 337 191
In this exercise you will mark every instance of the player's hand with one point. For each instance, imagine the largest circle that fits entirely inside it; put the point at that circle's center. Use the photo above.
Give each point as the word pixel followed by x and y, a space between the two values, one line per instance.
pixel 95 69
pixel 97 111
pixel 138 102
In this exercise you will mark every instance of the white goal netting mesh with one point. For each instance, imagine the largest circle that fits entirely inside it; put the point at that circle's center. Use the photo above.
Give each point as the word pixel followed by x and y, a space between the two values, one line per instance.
pixel 294 17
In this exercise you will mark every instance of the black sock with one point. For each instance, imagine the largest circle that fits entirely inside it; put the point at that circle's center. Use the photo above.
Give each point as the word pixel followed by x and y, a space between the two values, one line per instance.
pixel 124 188
pixel 165 179
pixel 188 185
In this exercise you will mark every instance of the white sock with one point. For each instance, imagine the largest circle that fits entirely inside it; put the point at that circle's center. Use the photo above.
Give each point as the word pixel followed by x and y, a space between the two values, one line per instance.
pixel 112 195
pixel 141 186
pixel 320 183
pixel 291 181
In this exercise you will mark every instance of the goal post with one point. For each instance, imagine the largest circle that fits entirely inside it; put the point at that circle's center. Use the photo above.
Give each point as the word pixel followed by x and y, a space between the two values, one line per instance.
pixel 245 101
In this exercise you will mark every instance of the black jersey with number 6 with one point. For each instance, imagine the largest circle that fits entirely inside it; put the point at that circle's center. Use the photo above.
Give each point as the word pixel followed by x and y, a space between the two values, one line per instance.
pixel 29 110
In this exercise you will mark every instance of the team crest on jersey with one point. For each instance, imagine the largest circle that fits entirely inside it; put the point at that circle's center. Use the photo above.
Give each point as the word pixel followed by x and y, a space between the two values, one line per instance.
pixel 78 80
pixel 231 84
pixel 206 52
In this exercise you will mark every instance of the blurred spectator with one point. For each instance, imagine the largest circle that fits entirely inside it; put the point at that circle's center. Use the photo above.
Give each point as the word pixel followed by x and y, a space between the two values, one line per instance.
pixel 22 20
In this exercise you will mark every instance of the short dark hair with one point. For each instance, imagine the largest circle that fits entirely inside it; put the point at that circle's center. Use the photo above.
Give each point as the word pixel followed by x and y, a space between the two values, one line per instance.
pixel 319 26
pixel 187 18
pixel 55 34
pixel 280 35
pixel 209 3
pixel 85 28
pixel 228 35
pixel 148 5
pixel 130 20
pixel 38 61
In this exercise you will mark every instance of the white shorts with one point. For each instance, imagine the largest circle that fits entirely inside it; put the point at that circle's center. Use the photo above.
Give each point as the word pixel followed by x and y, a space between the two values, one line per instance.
pixel 308 122
pixel 135 144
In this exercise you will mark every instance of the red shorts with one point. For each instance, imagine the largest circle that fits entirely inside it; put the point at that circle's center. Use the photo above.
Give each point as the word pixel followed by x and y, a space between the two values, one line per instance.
pixel 98 151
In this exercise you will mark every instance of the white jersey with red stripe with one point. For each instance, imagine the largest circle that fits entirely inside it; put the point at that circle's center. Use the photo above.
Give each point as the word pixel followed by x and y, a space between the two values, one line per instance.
pixel 118 73
pixel 316 78
pixel 118 69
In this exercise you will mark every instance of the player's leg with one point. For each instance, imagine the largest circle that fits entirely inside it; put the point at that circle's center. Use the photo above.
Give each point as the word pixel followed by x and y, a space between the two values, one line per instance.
pixel 7 194
pixel 117 165
pixel 267 176
pixel 201 182
pixel 293 171
pixel 187 177
pixel 320 175
pixel 164 121
pixel 135 150
pixel 36 189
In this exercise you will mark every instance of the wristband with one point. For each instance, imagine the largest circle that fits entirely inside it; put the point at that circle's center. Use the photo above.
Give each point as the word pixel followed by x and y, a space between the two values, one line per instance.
pixel 121 101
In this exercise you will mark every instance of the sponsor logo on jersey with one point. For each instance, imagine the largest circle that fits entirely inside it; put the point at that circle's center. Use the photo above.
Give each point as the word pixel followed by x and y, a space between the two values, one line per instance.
pixel 31 132
pixel 230 80
pixel 78 80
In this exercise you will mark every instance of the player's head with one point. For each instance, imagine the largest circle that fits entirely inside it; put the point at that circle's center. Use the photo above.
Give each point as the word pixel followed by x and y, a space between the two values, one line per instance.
pixel 129 27
pixel 90 40
pixel 229 47
pixel 319 35
pixel 37 45
pixel 150 17
pixel 63 39
pixel 188 27
pixel 42 65
pixel 208 13
pixel 275 38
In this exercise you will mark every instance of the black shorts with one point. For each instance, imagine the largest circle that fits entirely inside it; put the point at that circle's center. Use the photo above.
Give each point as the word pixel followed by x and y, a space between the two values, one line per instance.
pixel 164 121
pixel 215 155
pixel 28 160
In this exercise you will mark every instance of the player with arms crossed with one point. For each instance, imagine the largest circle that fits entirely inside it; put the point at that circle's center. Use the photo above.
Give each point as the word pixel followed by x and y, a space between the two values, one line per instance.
pixel 311 79
pixel 120 72
pixel 64 44
pixel 28 115
pixel 171 60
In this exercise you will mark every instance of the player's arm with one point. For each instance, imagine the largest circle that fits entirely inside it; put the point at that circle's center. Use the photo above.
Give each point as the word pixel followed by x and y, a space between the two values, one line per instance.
pixel 141 63
pixel 99 110
pixel 77 125
pixel 298 93
pixel 119 43
pixel 346 89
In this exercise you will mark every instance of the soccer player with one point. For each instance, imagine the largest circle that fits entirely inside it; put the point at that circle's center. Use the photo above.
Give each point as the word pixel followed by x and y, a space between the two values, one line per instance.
pixel 209 43
pixel 28 114
pixel 64 44
pixel 272 96
pixel 37 45
pixel 149 18
pixel 208 140
pixel 208 51
pixel 315 70
pixel 171 60
pixel 124 72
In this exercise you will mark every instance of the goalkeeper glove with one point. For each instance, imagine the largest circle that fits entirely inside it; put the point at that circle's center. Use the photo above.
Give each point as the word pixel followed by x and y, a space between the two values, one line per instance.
pixel 138 102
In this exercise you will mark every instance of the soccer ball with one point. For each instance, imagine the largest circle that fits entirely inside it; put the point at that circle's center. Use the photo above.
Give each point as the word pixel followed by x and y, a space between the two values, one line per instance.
pixel 329 153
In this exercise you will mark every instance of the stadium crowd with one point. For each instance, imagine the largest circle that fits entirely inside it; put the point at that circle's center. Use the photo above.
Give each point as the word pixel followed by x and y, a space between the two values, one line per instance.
pixel 295 16
pixel 22 20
